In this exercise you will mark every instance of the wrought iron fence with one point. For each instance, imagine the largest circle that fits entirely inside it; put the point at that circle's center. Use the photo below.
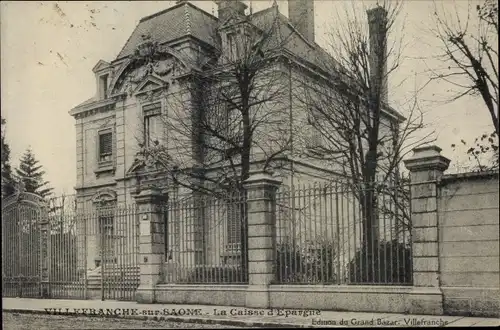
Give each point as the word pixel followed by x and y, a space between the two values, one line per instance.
pixel 325 236
pixel 88 253
pixel 205 236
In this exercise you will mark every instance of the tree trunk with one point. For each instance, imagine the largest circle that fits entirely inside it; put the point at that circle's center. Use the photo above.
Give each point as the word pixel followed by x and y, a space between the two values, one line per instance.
pixel 245 173
pixel 370 221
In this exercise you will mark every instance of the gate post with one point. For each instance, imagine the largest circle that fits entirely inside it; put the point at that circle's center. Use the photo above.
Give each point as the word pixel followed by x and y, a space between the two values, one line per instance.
pixel 426 168
pixel 151 242
pixel 44 254
pixel 261 209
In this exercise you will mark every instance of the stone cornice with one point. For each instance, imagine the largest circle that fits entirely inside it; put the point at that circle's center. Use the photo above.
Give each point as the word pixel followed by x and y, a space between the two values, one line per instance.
pixel 80 188
pixel 93 108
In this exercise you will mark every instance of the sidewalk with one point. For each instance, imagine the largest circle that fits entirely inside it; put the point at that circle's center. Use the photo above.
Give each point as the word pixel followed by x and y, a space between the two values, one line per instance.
pixel 235 316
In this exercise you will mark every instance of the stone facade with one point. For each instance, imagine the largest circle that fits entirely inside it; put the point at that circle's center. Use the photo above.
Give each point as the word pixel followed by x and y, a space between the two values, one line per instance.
pixel 144 93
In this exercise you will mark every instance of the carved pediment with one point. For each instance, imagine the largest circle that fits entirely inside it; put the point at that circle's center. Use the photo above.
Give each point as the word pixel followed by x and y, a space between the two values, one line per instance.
pixel 150 83
pixel 101 65
pixel 149 59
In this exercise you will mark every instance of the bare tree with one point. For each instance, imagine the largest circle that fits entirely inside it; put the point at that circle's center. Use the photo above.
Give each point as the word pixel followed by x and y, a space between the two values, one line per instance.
pixel 483 153
pixel 230 112
pixel 228 117
pixel 361 135
pixel 470 53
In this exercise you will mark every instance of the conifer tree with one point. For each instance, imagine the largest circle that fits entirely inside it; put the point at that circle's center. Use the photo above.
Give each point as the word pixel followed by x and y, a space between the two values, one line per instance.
pixel 30 174
pixel 7 180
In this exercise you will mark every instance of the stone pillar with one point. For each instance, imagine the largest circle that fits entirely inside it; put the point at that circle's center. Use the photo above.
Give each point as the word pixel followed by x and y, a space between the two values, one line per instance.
pixel 426 168
pixel 261 209
pixel 151 242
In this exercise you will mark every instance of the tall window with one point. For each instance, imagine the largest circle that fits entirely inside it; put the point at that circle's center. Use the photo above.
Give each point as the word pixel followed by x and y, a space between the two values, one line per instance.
pixel 234 217
pixel 315 138
pixel 105 146
pixel 237 44
pixel 106 222
pixel 233 126
pixel 233 223
pixel 153 126
pixel 103 86
pixel 106 228
pixel 231 44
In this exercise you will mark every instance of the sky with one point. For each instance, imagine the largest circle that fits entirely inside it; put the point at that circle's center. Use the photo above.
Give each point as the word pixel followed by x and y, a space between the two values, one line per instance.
pixel 48 50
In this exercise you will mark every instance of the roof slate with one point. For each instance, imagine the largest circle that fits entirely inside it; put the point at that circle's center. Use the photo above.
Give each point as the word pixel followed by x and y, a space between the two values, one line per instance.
pixel 187 19
pixel 170 24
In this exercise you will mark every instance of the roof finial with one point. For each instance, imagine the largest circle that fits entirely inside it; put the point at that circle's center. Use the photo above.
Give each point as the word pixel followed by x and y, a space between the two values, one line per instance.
pixel 251 7
pixel 275 3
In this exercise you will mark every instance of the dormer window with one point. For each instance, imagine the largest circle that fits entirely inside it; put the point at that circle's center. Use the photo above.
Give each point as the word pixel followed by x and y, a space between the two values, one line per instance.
pixel 231 45
pixel 237 44
pixel 103 86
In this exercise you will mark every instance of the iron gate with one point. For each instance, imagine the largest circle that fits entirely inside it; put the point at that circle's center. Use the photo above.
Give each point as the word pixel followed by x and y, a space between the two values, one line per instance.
pixel 54 250
pixel 22 216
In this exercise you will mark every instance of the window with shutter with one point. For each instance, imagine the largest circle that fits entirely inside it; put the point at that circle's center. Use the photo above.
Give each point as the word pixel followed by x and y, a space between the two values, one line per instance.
pixel 105 147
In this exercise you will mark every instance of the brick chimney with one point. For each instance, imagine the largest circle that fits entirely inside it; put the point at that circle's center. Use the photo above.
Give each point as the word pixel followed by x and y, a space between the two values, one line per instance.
pixel 377 21
pixel 301 15
pixel 230 8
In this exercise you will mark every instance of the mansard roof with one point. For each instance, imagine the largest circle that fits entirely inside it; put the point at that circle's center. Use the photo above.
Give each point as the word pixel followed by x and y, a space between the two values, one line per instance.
pixel 181 20
pixel 291 39
pixel 185 19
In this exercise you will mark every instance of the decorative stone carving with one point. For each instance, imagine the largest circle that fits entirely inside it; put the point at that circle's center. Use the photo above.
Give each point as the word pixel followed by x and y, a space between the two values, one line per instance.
pixel 153 158
pixel 104 196
pixel 151 88
pixel 149 58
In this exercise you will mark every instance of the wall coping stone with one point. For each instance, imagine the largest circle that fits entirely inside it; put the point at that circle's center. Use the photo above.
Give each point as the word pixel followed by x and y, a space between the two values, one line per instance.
pixel 483 175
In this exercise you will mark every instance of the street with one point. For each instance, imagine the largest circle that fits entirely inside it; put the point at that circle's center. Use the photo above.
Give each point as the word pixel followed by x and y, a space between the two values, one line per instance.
pixel 14 321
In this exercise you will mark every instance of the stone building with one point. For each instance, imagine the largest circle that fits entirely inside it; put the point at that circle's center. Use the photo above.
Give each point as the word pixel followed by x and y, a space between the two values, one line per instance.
pixel 141 98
